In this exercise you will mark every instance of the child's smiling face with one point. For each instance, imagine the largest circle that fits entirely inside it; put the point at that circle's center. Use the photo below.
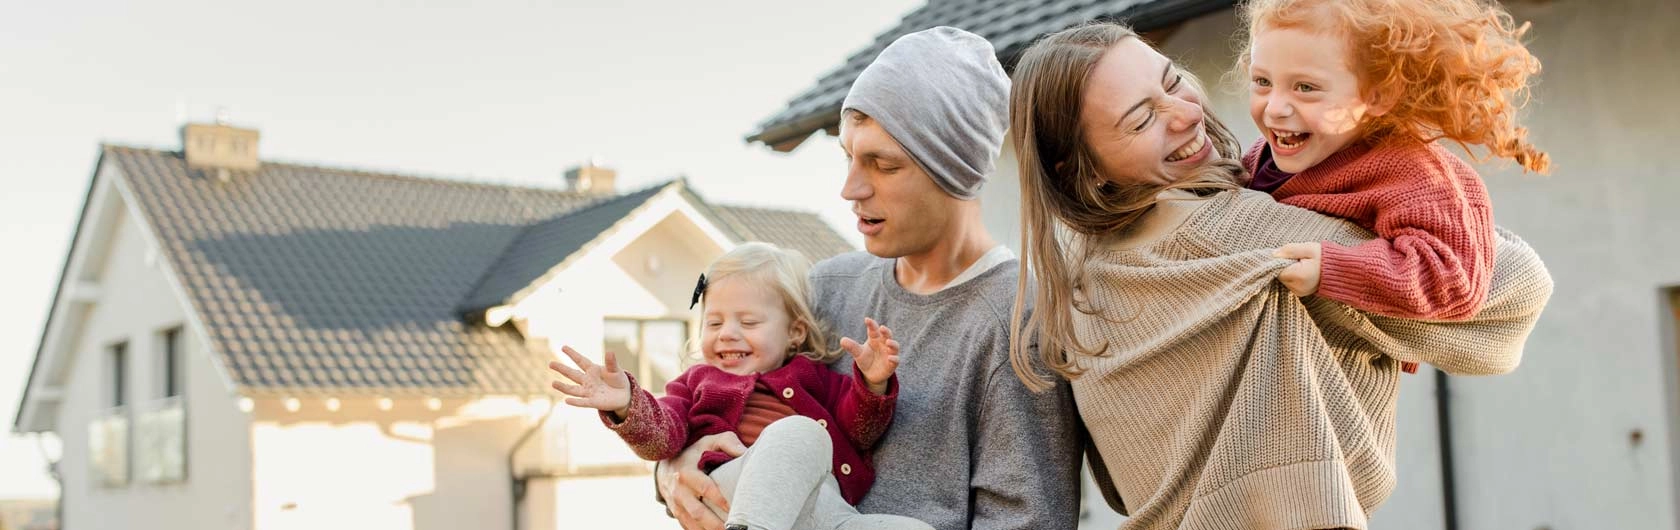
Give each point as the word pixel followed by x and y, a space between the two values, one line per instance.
pixel 746 328
pixel 1304 96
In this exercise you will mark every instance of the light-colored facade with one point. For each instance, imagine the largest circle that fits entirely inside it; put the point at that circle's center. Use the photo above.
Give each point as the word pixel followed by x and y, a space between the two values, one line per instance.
pixel 146 449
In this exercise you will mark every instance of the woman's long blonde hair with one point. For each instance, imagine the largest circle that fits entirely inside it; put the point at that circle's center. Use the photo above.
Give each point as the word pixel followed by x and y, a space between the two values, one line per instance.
pixel 1061 188
pixel 784 272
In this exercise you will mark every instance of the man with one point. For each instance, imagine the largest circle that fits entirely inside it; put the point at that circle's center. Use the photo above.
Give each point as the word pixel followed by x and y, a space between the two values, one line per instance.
pixel 970 446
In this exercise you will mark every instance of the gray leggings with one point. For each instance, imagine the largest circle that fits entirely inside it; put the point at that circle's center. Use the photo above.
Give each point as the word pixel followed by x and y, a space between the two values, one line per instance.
pixel 783 483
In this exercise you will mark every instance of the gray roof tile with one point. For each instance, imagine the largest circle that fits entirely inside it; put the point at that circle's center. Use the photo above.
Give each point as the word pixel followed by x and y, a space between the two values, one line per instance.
pixel 1011 25
pixel 312 279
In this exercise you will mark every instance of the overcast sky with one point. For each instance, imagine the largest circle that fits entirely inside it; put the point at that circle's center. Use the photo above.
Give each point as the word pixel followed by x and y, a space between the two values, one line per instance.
pixel 509 92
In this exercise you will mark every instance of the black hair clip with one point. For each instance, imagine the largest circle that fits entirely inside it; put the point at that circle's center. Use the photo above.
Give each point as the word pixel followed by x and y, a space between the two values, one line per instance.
pixel 699 289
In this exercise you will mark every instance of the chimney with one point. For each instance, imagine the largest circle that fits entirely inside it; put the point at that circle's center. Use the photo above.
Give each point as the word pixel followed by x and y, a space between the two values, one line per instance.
pixel 219 146
pixel 591 178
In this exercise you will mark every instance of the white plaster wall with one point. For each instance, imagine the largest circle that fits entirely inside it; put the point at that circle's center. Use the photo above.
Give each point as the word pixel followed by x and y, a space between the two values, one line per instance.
pixel 137 303
pixel 409 467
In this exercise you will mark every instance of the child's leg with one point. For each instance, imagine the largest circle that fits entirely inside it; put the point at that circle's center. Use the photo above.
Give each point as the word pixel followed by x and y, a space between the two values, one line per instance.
pixel 786 484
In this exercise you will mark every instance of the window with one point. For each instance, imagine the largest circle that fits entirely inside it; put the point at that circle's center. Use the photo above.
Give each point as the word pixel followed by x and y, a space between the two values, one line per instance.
pixel 169 364
pixel 651 350
pixel 118 375
pixel 108 431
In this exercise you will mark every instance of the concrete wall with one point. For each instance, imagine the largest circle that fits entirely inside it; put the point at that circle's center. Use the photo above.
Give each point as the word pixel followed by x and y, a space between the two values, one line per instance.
pixel 1583 434
pixel 135 305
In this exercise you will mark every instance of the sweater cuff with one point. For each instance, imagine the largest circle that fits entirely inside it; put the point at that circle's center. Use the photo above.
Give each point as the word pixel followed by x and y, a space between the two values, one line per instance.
pixel 872 414
pixel 867 399
pixel 1350 276
pixel 640 426
pixel 1362 277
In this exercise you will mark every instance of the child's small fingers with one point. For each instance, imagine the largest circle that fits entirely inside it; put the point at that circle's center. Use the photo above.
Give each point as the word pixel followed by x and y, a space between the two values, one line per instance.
pixel 886 332
pixel 577 358
pixel 570 390
pixel 574 374
pixel 851 346
pixel 612 363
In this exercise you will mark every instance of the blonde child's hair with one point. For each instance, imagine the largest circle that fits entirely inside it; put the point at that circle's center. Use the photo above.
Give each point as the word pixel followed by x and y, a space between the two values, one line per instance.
pixel 1453 69
pixel 784 272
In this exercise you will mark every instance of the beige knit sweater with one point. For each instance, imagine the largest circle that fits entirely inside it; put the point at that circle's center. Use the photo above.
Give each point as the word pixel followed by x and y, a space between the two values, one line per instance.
pixel 1226 402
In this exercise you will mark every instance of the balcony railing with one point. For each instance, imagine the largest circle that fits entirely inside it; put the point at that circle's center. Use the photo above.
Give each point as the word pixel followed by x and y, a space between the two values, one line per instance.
pixel 160 440
pixel 108 447
pixel 147 440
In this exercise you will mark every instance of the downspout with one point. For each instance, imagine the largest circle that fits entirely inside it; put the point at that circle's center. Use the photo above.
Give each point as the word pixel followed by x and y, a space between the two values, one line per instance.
pixel 58 477
pixel 1443 426
pixel 516 482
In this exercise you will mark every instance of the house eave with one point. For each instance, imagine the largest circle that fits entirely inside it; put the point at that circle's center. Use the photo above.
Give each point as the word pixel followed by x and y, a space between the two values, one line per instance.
pixel 785 135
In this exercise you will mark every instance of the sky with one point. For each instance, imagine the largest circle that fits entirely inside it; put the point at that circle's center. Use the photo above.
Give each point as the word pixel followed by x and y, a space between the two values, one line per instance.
pixel 505 92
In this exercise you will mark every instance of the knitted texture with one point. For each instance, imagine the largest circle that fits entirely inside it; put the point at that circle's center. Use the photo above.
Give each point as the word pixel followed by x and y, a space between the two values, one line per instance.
pixel 705 400
pixel 1223 401
pixel 1433 221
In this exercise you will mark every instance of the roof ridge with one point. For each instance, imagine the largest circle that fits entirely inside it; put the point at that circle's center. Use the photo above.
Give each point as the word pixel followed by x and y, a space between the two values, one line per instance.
pixel 389 174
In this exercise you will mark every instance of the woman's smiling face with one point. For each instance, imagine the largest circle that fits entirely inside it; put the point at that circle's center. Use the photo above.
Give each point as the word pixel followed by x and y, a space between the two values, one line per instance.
pixel 1142 118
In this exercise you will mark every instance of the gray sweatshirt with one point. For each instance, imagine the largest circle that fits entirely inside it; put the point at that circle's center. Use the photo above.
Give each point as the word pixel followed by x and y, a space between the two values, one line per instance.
pixel 970 446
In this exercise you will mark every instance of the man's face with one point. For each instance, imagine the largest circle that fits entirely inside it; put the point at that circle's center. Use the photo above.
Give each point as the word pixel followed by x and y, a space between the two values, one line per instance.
pixel 900 210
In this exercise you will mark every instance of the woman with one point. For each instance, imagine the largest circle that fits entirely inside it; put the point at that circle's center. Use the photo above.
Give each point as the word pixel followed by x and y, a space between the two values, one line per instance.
pixel 1214 398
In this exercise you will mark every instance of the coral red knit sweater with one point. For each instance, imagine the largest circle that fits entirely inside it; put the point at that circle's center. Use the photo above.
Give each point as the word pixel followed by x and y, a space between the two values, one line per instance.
pixel 1433 256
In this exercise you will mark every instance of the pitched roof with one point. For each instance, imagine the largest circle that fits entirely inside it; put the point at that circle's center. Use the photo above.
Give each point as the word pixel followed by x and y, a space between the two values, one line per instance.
pixel 1011 25
pixel 314 279
pixel 787 229
pixel 546 244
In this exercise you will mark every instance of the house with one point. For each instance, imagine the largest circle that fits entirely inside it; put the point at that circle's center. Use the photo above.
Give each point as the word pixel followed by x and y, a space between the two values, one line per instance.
pixel 237 343
pixel 1586 433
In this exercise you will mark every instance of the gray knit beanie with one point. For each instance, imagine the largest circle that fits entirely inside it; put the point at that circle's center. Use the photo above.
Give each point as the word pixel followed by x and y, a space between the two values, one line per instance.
pixel 942 94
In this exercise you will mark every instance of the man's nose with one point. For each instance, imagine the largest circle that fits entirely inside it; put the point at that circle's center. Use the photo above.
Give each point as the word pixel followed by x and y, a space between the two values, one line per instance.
pixel 856 187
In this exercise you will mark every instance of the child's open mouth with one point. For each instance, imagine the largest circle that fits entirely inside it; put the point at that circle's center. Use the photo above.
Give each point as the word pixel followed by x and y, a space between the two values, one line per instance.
pixel 1289 140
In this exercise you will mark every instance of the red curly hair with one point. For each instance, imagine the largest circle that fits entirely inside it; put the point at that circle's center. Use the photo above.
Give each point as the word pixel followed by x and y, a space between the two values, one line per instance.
pixel 1454 69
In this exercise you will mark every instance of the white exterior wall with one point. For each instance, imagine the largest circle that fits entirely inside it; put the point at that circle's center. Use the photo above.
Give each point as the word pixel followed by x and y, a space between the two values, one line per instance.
pixel 136 303
pixel 1552 445
pixel 409 467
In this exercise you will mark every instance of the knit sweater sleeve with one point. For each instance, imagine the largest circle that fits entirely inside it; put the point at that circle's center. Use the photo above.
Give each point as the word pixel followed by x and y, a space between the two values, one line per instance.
pixel 1432 255
pixel 656 429
pixel 1490 342
pixel 859 413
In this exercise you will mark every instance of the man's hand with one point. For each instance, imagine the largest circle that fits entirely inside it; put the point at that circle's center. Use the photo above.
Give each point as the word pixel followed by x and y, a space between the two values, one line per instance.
pixel 1302 277
pixel 598 387
pixel 691 496
pixel 877 359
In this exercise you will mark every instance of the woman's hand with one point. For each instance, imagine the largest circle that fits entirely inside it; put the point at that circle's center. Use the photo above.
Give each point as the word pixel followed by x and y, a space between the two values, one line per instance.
pixel 690 495
pixel 877 358
pixel 600 388
pixel 1302 277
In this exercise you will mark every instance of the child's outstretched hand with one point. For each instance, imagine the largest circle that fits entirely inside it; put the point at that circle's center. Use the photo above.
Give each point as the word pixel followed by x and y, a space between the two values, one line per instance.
pixel 877 359
pixel 1302 277
pixel 598 387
